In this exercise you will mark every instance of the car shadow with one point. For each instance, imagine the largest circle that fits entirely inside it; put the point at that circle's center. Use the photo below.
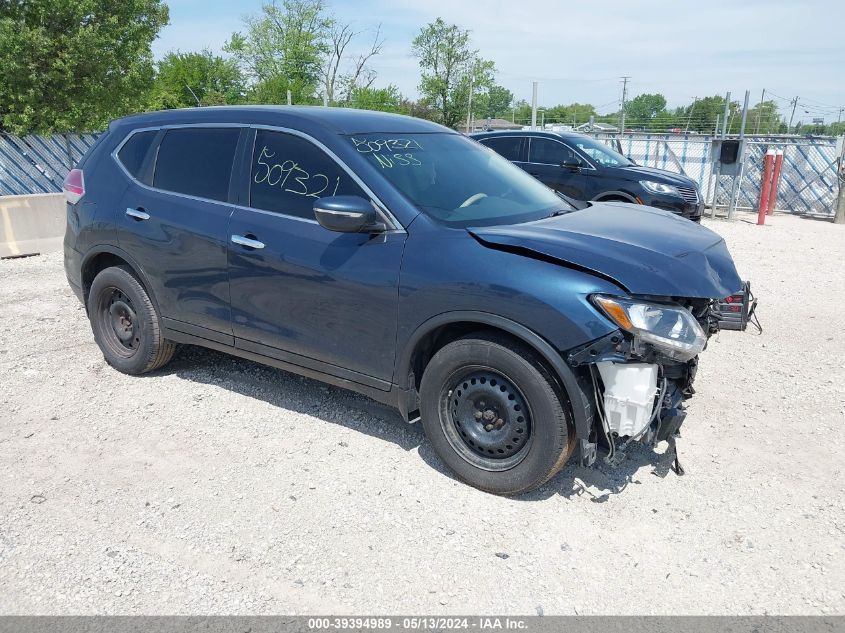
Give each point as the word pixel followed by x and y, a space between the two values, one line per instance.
pixel 335 405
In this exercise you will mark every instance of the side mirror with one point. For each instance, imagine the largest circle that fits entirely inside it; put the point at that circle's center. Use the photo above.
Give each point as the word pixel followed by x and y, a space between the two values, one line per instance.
pixel 347 214
pixel 571 163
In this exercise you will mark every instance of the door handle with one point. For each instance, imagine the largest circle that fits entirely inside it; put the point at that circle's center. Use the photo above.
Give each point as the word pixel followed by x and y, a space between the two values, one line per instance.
pixel 138 214
pixel 242 240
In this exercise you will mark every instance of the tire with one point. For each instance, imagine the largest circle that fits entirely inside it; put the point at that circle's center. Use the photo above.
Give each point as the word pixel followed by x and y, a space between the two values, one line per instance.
pixel 494 415
pixel 125 323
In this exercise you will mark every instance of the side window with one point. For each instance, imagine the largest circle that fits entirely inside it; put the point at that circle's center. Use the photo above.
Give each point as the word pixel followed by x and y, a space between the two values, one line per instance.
pixel 134 151
pixel 508 146
pixel 290 172
pixel 196 161
pixel 543 150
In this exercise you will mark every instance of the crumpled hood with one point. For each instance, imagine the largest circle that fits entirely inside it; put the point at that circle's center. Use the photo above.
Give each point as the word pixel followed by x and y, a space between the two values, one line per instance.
pixel 644 250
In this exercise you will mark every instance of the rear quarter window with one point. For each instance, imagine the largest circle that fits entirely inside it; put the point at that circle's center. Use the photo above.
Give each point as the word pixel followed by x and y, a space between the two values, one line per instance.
pixel 509 147
pixel 135 150
pixel 197 161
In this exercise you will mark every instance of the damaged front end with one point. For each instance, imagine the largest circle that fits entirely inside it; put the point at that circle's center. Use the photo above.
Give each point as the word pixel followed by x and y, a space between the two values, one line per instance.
pixel 641 374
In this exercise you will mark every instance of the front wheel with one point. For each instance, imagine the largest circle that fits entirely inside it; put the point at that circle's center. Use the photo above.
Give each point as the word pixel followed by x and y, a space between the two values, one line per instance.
pixel 494 415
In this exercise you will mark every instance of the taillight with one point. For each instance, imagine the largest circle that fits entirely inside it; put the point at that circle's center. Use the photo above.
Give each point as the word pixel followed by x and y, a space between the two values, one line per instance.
pixel 74 186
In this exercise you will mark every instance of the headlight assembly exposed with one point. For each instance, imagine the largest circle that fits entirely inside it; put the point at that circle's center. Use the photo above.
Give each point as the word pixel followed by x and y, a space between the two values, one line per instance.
pixel 671 329
pixel 659 187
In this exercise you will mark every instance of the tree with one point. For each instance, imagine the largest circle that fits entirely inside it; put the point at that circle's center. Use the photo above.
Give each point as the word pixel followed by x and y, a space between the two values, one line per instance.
pixel 283 49
pixel 384 99
pixel 190 79
pixel 447 63
pixel 763 117
pixel 359 74
pixel 643 108
pixel 702 114
pixel 494 103
pixel 73 66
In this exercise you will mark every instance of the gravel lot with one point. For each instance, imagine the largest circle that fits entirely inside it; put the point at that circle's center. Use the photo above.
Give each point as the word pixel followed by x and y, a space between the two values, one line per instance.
pixel 222 486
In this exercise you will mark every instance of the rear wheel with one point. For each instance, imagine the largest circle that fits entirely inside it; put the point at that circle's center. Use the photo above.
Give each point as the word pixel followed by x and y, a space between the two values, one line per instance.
pixel 494 415
pixel 125 324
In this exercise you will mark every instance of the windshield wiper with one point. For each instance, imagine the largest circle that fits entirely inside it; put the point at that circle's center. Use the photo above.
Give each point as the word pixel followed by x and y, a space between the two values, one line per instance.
pixel 555 214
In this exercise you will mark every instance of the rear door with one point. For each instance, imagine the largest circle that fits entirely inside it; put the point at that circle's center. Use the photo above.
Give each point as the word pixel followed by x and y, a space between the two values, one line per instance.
pixel 174 220
pixel 302 293
pixel 545 162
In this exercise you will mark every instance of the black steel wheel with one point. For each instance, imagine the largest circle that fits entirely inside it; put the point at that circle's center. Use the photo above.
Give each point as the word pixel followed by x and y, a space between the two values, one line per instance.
pixel 494 413
pixel 489 421
pixel 125 323
pixel 119 322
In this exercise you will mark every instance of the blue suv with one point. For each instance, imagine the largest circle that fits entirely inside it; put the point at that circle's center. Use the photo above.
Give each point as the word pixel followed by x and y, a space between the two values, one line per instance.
pixel 396 258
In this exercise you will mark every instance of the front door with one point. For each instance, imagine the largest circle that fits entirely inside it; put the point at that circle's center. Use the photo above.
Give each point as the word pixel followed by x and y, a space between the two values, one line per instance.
pixel 177 229
pixel 302 293
pixel 551 161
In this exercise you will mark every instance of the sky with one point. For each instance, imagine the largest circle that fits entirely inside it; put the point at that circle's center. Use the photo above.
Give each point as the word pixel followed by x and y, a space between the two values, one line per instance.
pixel 578 51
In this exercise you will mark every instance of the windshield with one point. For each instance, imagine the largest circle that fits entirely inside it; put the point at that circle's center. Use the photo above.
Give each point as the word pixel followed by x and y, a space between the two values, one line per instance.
pixel 601 153
pixel 457 181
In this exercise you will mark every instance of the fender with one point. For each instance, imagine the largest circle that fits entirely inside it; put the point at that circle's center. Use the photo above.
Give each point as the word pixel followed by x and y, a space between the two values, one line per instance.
pixel 621 194
pixel 573 384
pixel 99 249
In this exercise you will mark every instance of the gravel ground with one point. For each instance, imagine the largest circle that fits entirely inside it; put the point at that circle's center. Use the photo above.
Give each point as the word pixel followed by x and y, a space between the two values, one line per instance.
pixel 222 486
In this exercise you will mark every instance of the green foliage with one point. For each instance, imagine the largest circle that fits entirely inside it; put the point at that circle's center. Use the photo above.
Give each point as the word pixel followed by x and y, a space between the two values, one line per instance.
pixel 283 49
pixel 185 78
pixel 643 108
pixel 494 103
pixel 701 115
pixel 72 65
pixel 383 99
pixel 447 62
pixel 764 118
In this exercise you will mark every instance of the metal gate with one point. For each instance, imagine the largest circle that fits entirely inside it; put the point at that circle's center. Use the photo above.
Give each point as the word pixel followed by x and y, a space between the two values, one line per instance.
pixel 808 179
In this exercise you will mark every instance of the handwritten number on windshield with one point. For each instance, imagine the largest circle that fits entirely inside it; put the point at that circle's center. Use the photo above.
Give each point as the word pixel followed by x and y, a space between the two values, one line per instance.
pixel 385 145
pixel 302 183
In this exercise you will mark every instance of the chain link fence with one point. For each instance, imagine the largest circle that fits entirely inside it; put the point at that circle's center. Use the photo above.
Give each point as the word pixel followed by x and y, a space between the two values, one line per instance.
pixel 808 178
pixel 39 164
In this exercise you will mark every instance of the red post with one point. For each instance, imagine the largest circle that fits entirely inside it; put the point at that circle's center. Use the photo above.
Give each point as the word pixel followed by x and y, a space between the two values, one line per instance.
pixel 773 194
pixel 765 185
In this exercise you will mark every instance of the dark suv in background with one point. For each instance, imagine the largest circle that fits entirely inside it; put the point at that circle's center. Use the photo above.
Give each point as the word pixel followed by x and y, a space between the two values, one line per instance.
pixel 583 168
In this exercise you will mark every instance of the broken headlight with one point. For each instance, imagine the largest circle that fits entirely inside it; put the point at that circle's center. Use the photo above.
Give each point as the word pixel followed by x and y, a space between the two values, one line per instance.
pixel 671 329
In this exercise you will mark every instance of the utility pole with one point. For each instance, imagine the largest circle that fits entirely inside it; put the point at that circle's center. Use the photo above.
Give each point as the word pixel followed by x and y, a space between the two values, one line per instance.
pixel 760 112
pixel 689 118
pixel 794 103
pixel 534 106
pixel 625 79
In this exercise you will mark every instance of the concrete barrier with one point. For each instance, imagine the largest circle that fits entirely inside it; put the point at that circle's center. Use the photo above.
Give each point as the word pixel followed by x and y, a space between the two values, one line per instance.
pixel 31 224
